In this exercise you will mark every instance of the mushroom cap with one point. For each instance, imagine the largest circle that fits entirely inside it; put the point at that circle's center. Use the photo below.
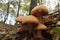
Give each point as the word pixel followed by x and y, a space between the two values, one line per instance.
pixel 27 19
pixel 41 27
pixel 40 10
pixel 31 19
pixel 20 18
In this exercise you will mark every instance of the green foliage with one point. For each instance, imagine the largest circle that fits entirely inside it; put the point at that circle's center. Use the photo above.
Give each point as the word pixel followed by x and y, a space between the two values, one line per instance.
pixel 11 10
pixel 3 6
pixel 0 5
pixel 25 7
pixel 55 30
pixel 26 1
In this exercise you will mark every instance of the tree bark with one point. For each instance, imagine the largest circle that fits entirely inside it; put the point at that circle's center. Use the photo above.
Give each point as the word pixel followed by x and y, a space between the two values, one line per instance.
pixel 5 18
pixel 32 5
pixel 18 8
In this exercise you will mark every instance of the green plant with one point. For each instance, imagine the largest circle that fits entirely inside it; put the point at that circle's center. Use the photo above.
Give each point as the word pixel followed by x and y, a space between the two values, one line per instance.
pixel 56 33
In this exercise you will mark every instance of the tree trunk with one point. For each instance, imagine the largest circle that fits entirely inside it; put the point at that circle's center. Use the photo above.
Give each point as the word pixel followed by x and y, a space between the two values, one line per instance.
pixel 18 8
pixel 5 18
pixel 32 5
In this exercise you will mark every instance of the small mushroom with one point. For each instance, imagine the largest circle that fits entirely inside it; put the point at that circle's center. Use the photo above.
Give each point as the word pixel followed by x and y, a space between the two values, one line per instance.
pixel 41 27
pixel 28 22
pixel 40 10
pixel 38 29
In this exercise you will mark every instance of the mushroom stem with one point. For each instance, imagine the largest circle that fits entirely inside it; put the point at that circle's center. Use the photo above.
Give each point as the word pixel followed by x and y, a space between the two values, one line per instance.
pixel 38 34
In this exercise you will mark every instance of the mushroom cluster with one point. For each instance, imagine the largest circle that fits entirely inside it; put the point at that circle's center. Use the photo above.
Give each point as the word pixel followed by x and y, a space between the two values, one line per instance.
pixel 34 21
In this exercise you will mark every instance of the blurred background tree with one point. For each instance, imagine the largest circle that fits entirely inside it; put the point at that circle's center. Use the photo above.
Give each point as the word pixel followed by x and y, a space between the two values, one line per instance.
pixel 10 9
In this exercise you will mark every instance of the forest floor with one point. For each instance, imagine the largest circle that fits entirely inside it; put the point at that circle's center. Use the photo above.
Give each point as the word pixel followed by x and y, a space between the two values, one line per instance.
pixel 7 31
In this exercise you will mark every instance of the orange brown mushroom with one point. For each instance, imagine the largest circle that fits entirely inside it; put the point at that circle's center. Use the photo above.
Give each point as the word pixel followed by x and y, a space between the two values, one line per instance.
pixel 32 22
pixel 40 11
pixel 41 27
pixel 27 22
